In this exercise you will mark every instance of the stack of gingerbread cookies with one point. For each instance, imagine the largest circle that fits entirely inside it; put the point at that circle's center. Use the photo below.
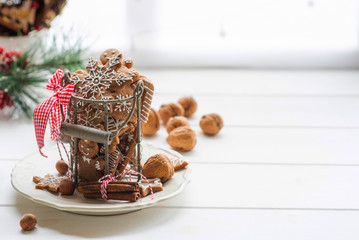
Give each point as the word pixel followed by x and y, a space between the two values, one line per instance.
pixel 109 78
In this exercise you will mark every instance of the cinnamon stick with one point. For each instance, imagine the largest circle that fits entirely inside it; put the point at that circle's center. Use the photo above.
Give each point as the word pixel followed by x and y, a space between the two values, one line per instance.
pixel 125 196
pixel 118 182
pixel 96 188
pixel 129 154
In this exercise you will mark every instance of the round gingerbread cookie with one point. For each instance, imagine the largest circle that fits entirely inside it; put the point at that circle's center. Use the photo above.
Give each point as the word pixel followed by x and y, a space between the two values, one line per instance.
pixel 88 148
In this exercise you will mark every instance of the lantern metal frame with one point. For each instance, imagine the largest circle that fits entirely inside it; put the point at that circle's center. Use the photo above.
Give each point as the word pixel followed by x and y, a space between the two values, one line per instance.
pixel 70 127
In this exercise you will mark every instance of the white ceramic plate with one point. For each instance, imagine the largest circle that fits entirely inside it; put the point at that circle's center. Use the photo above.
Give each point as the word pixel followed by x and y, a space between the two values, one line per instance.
pixel 35 165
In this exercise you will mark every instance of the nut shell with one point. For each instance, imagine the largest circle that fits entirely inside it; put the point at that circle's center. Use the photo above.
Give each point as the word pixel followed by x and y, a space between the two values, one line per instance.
pixel 182 139
pixel 28 222
pixel 175 122
pixel 67 187
pixel 189 105
pixel 170 110
pixel 158 166
pixel 211 123
pixel 153 123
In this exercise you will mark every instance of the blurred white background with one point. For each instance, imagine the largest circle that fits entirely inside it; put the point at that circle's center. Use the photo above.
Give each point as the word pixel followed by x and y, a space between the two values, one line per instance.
pixel 227 33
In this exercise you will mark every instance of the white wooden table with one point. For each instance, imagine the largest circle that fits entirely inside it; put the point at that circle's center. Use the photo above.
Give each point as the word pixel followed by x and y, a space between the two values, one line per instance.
pixel 285 166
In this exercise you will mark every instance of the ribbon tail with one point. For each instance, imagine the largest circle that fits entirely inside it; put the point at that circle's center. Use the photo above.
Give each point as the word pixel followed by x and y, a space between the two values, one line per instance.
pixel 41 117
pixel 42 153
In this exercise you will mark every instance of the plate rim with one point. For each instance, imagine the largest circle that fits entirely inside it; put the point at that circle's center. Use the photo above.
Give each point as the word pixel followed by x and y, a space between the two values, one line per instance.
pixel 114 209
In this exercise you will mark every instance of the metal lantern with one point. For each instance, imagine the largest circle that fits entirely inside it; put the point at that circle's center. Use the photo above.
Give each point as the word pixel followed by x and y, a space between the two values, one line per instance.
pixel 70 127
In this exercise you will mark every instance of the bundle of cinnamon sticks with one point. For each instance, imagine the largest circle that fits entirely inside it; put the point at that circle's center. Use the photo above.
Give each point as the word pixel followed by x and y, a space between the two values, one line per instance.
pixel 126 191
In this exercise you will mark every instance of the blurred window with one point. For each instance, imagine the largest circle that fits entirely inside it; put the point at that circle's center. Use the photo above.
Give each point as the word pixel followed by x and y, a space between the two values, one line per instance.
pixel 256 33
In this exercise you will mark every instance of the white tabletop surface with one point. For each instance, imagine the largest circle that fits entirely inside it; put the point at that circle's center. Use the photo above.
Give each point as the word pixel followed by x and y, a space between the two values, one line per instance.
pixel 285 165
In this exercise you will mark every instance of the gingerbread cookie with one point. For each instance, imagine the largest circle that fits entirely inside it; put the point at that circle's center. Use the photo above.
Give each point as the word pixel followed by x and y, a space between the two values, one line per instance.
pixel 49 182
pixel 88 148
pixel 87 170
pixel 179 164
pixel 155 184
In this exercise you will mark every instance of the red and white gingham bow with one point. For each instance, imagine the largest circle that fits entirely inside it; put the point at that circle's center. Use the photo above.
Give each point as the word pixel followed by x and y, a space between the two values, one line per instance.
pixel 50 108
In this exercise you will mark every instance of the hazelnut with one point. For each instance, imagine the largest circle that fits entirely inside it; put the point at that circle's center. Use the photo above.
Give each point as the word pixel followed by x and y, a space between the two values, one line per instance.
pixel 189 105
pixel 158 166
pixel 62 166
pixel 182 139
pixel 211 123
pixel 67 187
pixel 175 122
pixel 170 110
pixel 153 123
pixel 28 222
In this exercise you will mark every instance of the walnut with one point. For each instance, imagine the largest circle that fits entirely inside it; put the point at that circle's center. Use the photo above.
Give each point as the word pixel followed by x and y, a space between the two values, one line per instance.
pixel 189 105
pixel 175 122
pixel 182 138
pixel 153 123
pixel 211 123
pixel 170 110
pixel 158 166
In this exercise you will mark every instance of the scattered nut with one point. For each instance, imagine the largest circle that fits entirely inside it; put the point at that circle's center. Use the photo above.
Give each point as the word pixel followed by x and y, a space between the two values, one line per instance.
pixel 158 166
pixel 182 139
pixel 67 187
pixel 175 122
pixel 170 110
pixel 189 105
pixel 62 166
pixel 211 124
pixel 28 222
pixel 153 123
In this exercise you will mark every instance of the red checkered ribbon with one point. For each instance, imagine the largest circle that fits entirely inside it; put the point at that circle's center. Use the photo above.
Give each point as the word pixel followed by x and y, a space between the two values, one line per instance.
pixel 50 109
pixel 105 180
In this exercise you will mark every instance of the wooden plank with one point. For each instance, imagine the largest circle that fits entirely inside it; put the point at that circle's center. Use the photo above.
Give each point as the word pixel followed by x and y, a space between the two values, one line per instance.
pixel 250 186
pixel 190 223
pixel 270 186
pixel 271 146
pixel 247 111
pixel 253 82
pixel 17 139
